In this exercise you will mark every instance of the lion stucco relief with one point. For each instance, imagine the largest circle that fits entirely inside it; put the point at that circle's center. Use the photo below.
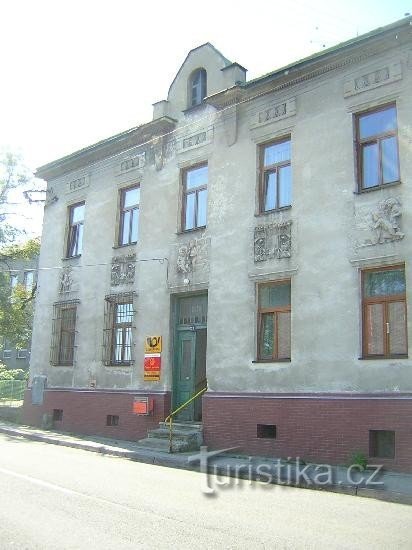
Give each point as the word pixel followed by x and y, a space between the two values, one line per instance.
pixel 386 221
pixel 379 225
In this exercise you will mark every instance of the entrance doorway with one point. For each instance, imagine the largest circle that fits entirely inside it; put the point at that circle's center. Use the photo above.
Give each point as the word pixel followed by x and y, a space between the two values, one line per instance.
pixel 189 369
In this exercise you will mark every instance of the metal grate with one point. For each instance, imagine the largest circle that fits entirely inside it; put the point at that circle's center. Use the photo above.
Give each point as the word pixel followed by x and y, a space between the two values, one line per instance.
pixel 63 333
pixel 57 415
pixel 12 392
pixel 118 329
pixel 112 420
pixel 192 310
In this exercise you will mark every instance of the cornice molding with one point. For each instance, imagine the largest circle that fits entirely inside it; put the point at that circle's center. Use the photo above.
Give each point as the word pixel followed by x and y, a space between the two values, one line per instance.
pixel 117 144
pixel 309 69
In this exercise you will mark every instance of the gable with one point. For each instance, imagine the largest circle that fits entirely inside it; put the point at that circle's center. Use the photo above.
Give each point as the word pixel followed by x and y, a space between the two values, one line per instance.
pixel 204 57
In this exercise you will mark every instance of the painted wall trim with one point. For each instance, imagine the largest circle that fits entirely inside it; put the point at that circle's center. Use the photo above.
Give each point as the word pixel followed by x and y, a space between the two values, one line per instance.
pixel 106 391
pixel 315 396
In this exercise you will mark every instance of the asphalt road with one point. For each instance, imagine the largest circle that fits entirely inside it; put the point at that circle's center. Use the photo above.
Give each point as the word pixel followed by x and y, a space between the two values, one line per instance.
pixel 56 498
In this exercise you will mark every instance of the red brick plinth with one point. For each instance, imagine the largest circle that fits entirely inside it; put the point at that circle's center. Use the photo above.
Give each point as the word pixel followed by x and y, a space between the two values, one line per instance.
pixel 86 411
pixel 326 428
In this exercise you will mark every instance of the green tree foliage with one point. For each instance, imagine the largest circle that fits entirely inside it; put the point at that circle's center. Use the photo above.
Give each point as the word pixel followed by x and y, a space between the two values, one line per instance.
pixel 13 174
pixel 16 312
pixel 24 251
pixel 11 374
pixel 16 305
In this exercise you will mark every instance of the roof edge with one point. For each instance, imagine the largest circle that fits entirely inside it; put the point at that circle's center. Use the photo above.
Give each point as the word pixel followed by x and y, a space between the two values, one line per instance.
pixel 100 149
pixel 333 49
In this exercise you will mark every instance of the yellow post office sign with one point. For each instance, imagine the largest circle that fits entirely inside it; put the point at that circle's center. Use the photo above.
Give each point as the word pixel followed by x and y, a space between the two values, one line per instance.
pixel 153 344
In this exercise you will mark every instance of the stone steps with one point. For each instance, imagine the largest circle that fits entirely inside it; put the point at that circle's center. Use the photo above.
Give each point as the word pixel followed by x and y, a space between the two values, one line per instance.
pixel 187 436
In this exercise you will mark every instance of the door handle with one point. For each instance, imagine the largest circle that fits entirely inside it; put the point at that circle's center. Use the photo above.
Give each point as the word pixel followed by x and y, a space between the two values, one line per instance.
pixel 187 377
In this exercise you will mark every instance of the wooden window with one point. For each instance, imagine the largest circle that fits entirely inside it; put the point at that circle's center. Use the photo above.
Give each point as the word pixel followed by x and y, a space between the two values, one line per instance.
pixel 198 87
pixel 274 321
pixel 377 148
pixel 384 312
pixel 75 235
pixel 118 326
pixel 129 215
pixel 275 190
pixel 63 333
pixel 194 211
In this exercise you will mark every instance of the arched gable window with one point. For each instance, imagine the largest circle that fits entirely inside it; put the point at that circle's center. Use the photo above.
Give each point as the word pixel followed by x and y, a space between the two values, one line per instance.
pixel 197 87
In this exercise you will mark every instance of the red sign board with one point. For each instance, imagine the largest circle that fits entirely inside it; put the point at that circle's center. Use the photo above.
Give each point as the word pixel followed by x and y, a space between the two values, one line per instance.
pixel 152 366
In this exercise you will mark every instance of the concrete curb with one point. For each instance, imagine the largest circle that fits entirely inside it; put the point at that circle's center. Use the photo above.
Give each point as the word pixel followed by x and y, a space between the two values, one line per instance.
pixel 180 461
pixel 83 445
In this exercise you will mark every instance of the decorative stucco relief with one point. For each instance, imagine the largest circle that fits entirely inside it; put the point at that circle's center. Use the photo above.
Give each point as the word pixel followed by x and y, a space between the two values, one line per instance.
pixel 197 139
pixel 123 269
pixel 79 183
pixel 382 224
pixel 193 141
pixel 274 112
pixel 386 220
pixel 273 240
pixel 138 161
pixel 192 256
pixel 66 280
pixel 373 79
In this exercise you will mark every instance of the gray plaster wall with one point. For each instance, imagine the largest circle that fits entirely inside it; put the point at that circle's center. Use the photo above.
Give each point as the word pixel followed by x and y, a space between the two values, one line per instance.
pixel 329 232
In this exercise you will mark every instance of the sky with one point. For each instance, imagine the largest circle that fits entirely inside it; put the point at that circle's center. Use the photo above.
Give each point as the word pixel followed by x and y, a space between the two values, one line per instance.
pixel 75 72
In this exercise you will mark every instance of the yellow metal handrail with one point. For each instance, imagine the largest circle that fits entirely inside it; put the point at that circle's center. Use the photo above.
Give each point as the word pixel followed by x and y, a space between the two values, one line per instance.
pixel 169 419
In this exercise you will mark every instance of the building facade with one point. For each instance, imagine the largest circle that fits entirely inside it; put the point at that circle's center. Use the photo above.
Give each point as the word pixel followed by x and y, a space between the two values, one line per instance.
pixel 252 237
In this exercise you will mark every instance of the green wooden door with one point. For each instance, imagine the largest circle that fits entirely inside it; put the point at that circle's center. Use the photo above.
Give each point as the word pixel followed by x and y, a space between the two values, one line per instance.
pixel 185 374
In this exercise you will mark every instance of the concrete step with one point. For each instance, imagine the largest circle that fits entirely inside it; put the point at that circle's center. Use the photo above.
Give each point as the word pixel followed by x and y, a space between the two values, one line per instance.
pixel 178 445
pixel 163 433
pixel 182 425
pixel 186 436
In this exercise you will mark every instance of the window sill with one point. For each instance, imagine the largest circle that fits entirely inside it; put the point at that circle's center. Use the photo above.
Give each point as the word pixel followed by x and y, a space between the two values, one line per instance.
pixel 185 231
pixel 62 365
pixel 194 108
pixel 65 259
pixel 382 357
pixel 117 365
pixel 116 246
pixel 376 188
pixel 271 361
pixel 266 212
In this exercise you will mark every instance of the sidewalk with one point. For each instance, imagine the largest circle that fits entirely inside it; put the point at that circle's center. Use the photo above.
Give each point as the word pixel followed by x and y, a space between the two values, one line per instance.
pixel 391 486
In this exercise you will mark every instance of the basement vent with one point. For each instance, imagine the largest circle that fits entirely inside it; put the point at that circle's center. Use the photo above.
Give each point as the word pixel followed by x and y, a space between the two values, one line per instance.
pixel 266 431
pixel 112 420
pixel 57 415
pixel 381 444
